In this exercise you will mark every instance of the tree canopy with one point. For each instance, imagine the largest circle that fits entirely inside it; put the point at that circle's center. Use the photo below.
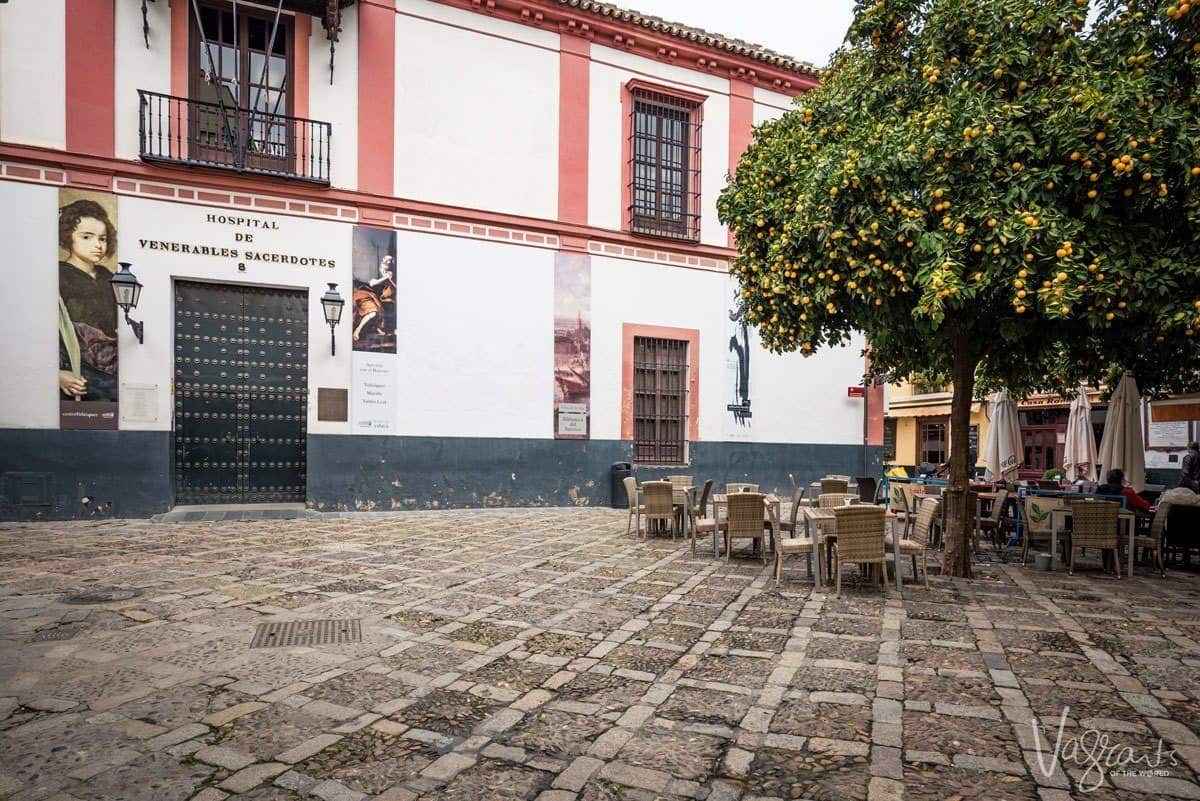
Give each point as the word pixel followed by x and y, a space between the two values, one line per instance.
pixel 1000 169
pixel 1003 191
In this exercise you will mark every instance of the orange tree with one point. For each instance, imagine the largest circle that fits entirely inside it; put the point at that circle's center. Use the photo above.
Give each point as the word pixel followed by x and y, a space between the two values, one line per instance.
pixel 1005 192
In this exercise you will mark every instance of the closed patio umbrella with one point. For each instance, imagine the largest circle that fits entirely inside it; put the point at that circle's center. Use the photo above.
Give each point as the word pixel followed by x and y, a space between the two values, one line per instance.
pixel 1079 454
pixel 1121 446
pixel 1002 449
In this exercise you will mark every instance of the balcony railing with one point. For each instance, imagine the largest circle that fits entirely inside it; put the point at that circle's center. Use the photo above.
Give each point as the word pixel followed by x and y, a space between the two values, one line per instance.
pixel 179 130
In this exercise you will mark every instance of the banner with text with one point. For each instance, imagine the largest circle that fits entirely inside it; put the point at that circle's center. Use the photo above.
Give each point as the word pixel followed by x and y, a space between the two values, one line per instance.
pixel 572 345
pixel 87 310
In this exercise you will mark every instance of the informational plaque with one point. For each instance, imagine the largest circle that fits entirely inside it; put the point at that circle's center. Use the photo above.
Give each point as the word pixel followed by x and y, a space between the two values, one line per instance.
pixel 332 404
pixel 572 419
pixel 139 403
pixel 374 393
pixel 1167 435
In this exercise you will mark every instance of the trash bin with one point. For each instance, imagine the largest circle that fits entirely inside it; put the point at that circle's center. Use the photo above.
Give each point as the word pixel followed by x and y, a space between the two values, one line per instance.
pixel 620 471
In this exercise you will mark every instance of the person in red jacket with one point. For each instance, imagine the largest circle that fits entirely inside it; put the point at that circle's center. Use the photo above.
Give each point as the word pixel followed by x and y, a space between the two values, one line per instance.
pixel 1114 484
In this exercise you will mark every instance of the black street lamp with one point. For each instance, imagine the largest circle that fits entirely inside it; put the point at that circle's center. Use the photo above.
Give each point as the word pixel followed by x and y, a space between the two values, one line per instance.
pixel 332 303
pixel 128 289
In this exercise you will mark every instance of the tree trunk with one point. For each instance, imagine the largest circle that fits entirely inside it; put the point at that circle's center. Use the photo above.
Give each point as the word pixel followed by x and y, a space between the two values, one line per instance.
pixel 960 504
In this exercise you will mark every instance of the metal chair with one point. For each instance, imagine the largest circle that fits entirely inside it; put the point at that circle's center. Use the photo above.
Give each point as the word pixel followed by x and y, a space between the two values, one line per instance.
pixel 866 489
pixel 995 522
pixel 860 534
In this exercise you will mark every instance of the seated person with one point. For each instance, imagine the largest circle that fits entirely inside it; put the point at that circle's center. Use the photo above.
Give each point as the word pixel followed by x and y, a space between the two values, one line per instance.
pixel 1114 484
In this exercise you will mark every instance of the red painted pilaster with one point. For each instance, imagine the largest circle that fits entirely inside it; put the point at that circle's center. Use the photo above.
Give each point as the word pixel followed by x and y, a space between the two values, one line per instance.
pixel 91 67
pixel 376 96
pixel 573 98
pixel 741 123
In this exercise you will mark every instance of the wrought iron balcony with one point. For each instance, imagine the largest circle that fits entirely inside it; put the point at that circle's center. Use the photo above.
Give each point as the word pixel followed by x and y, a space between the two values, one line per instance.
pixel 179 130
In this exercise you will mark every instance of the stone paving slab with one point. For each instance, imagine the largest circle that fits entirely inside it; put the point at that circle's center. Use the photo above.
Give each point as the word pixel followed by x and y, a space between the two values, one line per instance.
pixel 545 654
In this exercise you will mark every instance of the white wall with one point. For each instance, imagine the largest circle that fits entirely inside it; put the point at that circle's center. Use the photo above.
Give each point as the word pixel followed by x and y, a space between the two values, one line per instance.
pixel 139 67
pixel 476 117
pixel 794 399
pixel 769 105
pixel 337 104
pixel 29 349
pixel 610 70
pixel 152 362
pixel 476 345
pixel 33 82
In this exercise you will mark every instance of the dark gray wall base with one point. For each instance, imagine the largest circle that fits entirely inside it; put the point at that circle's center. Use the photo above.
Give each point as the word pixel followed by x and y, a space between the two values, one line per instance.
pixel 385 473
pixel 47 474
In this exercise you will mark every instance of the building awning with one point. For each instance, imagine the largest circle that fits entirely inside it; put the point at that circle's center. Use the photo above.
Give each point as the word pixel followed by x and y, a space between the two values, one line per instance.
pixel 1175 410
pixel 936 410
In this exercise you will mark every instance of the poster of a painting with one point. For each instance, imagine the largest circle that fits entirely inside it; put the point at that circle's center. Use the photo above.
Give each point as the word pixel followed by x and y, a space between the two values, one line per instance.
pixel 737 368
pixel 87 310
pixel 572 345
pixel 374 315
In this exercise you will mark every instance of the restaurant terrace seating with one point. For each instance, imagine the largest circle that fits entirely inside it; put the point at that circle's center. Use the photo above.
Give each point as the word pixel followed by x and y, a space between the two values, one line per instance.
pixel 860 534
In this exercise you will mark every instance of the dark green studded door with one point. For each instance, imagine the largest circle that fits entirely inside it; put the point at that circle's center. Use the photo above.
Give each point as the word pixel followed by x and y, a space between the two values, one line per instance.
pixel 241 394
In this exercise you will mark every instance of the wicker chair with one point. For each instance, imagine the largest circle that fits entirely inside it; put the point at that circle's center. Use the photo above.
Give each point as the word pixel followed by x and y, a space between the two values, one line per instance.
pixel 1036 520
pixel 1154 540
pixel 698 520
pixel 927 512
pixel 860 531
pixel 790 545
pixel 831 500
pixel 635 506
pixel 744 520
pixel 1093 525
pixel 832 485
pixel 994 523
pixel 791 523
pixel 735 486
pixel 682 481
pixel 659 499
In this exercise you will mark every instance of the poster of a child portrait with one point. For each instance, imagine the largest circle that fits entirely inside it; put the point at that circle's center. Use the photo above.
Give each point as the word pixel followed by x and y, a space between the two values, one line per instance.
pixel 87 310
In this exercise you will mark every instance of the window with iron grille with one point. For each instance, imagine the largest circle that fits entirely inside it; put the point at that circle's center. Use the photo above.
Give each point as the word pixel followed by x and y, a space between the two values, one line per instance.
pixel 660 400
pixel 664 165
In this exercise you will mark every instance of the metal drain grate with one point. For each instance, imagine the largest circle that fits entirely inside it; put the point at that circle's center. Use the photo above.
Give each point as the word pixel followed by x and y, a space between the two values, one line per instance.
pixel 104 595
pixel 57 633
pixel 307 632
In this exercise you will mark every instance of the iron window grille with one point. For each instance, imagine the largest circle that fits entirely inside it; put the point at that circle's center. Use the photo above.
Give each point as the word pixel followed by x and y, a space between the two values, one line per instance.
pixel 660 400
pixel 664 165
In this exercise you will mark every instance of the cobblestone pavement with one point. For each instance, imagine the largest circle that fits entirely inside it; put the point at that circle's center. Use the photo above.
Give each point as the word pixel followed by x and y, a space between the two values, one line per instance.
pixel 522 654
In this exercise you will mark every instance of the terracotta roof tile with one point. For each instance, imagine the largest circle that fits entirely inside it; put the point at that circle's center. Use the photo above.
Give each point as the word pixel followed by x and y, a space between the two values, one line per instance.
pixel 691 34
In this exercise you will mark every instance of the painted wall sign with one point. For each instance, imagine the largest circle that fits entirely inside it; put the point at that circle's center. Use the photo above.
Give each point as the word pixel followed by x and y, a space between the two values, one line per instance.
pixel 737 368
pixel 87 310
pixel 243 239
pixel 572 345
pixel 374 317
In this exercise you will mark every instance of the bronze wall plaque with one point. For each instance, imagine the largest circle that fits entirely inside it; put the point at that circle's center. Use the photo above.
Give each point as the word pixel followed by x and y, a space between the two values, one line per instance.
pixel 332 404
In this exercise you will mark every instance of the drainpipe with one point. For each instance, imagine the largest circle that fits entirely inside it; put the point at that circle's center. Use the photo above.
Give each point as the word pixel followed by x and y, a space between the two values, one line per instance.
pixel 866 418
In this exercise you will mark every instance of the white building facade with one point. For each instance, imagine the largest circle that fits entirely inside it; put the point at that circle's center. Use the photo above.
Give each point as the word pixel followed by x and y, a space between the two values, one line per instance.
pixel 515 201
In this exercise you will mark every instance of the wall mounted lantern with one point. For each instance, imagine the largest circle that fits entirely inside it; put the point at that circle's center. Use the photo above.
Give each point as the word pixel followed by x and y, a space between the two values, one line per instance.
pixel 128 289
pixel 332 303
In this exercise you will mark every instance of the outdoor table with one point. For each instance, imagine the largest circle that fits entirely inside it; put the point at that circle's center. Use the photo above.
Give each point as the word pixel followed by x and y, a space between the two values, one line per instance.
pixel 814 514
pixel 720 498
pixel 1126 517
pixel 688 495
